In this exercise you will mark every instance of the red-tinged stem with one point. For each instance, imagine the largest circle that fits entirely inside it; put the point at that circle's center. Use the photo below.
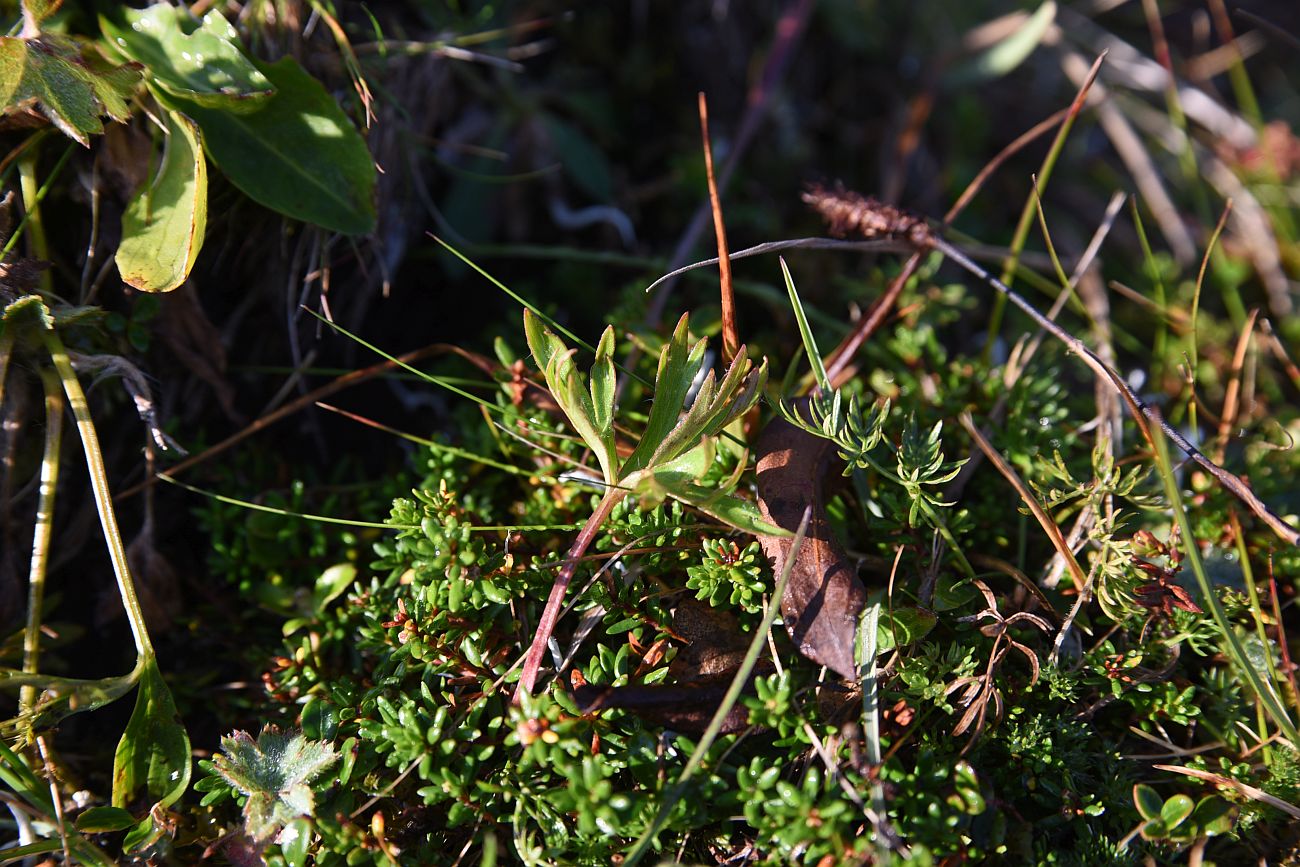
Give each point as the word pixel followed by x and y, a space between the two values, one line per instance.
pixel 551 614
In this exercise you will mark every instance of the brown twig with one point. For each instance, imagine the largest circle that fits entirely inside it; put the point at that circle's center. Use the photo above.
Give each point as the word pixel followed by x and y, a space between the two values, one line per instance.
pixel 1143 415
pixel 1040 514
pixel 1232 394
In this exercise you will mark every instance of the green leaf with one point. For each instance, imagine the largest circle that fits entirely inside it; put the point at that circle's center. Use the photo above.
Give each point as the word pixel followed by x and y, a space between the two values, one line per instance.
pixel 1176 810
pixel 805 331
pixel 275 772
pixel 331 584
pixel 678 365
pixel 101 820
pixel 581 158
pixel 145 833
pixel 730 510
pixel 904 625
pixel 670 433
pixel 163 226
pixel 71 85
pixel 296 152
pixel 296 842
pixel 1147 800
pixel 602 382
pixel 589 409
pixel 154 751
pixel 1214 816
pixel 62 697
pixel 202 63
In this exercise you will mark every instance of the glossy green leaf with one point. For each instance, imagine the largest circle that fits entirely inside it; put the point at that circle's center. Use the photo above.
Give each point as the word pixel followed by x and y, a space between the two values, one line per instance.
pixel 296 153
pixel 1176 810
pixel 331 584
pixel 1147 800
pixel 72 85
pixel 603 382
pixel 201 62
pixel 100 820
pixel 154 752
pixel 678 365
pixel 62 697
pixel 163 226
pixel 295 842
pixel 1214 816
pixel 730 510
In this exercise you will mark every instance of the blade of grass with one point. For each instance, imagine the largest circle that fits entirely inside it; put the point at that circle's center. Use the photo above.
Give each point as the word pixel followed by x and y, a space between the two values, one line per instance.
pixel 1246 671
pixel 1027 213
pixel 805 333
pixel 353 378
pixel 729 700
pixel 463 454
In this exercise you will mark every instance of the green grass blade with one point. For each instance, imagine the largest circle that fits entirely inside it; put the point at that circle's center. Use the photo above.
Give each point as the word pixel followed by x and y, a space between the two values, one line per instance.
pixel 805 333
pixel 1266 693
pixel 728 700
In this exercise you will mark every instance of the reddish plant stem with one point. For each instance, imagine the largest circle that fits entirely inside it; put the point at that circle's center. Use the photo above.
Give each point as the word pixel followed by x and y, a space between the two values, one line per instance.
pixel 555 602
pixel 730 334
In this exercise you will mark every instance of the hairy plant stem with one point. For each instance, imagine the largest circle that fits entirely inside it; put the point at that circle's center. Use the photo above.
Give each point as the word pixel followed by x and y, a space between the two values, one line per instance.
pixel 555 602
pixel 42 533
pixel 99 485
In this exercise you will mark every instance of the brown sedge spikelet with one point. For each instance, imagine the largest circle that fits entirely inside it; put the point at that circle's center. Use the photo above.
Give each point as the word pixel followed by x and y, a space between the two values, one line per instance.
pixel 850 213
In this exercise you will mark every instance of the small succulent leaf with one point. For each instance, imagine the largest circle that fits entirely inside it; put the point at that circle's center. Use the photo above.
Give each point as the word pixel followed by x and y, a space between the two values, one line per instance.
pixel 163 226
pixel 1214 816
pixel 295 842
pixel 331 584
pixel 201 62
pixel 154 752
pixel 71 84
pixel 295 152
pixel 1176 810
pixel 146 833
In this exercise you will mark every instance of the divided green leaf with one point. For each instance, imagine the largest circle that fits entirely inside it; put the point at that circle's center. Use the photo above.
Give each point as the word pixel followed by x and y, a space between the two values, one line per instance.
pixel 275 773
pixel 70 84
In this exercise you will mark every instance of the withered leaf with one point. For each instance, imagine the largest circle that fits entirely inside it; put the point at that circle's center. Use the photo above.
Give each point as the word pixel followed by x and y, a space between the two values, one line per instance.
pixel 824 596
